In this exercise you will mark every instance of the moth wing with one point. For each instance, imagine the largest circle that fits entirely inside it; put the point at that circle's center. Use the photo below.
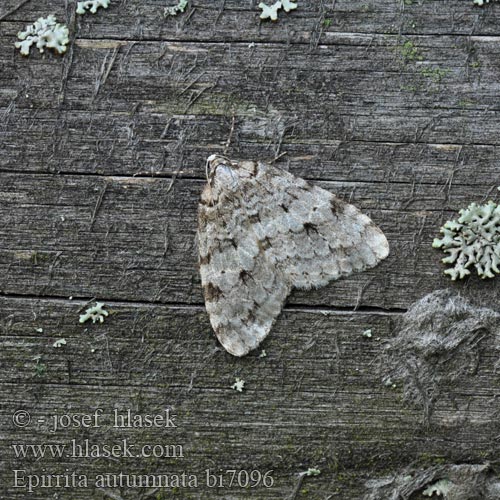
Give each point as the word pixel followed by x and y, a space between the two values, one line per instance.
pixel 314 237
pixel 244 292
pixel 243 315
pixel 278 233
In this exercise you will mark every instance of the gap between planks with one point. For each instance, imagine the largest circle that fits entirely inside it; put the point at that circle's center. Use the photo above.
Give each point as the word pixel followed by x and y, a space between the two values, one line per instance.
pixel 320 309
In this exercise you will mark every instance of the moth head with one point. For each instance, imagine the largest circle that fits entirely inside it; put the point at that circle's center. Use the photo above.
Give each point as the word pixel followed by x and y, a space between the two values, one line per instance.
pixel 224 175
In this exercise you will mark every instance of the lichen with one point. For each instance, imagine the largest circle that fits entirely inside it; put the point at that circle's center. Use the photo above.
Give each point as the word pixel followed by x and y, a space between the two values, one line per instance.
pixel 40 368
pixel 482 2
pixel 238 385
pixel 473 240
pixel 95 313
pixel 312 471
pixel 271 11
pixel 176 9
pixel 441 488
pixel 450 482
pixel 59 343
pixel 46 32
pixel 91 6
pixel 288 5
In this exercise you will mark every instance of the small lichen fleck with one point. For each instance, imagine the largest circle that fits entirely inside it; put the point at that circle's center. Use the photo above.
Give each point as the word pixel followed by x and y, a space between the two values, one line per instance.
pixel 176 9
pixel 271 11
pixel 238 385
pixel 288 5
pixel 473 240
pixel 312 471
pixel 95 313
pixel 40 368
pixel 447 482
pixel 46 32
pixel 91 6
pixel 368 334
pixel 59 343
pixel 441 488
pixel 482 2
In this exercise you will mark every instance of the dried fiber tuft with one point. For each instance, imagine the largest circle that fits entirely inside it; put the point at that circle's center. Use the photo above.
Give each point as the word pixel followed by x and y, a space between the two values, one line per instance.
pixel 438 342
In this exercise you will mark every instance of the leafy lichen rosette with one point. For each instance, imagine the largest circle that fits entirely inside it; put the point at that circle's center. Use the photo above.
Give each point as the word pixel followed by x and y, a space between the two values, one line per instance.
pixel 472 241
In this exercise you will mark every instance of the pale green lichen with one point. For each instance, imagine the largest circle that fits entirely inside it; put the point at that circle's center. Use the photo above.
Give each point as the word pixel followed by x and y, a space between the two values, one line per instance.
pixel 95 313
pixel 238 385
pixel 91 6
pixel 59 343
pixel 388 382
pixel 445 482
pixel 441 488
pixel 176 9
pixel 482 2
pixel 46 32
pixel 473 240
pixel 271 11
pixel 368 334
pixel 39 368
pixel 312 471
pixel 288 5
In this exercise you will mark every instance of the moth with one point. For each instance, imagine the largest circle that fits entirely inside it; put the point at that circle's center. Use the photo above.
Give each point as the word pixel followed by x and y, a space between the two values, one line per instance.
pixel 262 232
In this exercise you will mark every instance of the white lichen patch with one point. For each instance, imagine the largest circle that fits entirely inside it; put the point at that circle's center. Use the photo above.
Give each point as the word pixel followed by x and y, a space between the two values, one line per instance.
pixel 442 482
pixel 239 385
pixel 473 240
pixel 312 471
pixel 368 334
pixel 176 9
pixel 46 32
pixel 59 343
pixel 91 6
pixel 95 313
pixel 288 5
pixel 441 489
pixel 483 2
pixel 271 11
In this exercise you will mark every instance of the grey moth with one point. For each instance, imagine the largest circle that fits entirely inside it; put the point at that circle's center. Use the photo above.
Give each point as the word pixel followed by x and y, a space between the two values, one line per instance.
pixel 262 232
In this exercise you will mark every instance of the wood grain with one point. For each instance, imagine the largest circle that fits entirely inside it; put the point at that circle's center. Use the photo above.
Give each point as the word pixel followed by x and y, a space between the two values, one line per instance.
pixel 392 105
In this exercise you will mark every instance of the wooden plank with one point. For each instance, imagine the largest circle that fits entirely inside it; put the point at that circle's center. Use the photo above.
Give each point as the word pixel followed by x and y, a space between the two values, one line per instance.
pixel 164 107
pixel 236 20
pixel 392 105
pixel 133 238
pixel 148 358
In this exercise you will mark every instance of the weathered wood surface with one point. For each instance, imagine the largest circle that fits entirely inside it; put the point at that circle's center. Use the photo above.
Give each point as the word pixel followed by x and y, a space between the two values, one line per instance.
pixel 389 105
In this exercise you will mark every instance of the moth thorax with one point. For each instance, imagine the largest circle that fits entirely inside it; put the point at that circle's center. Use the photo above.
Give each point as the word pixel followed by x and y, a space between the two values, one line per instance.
pixel 225 178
